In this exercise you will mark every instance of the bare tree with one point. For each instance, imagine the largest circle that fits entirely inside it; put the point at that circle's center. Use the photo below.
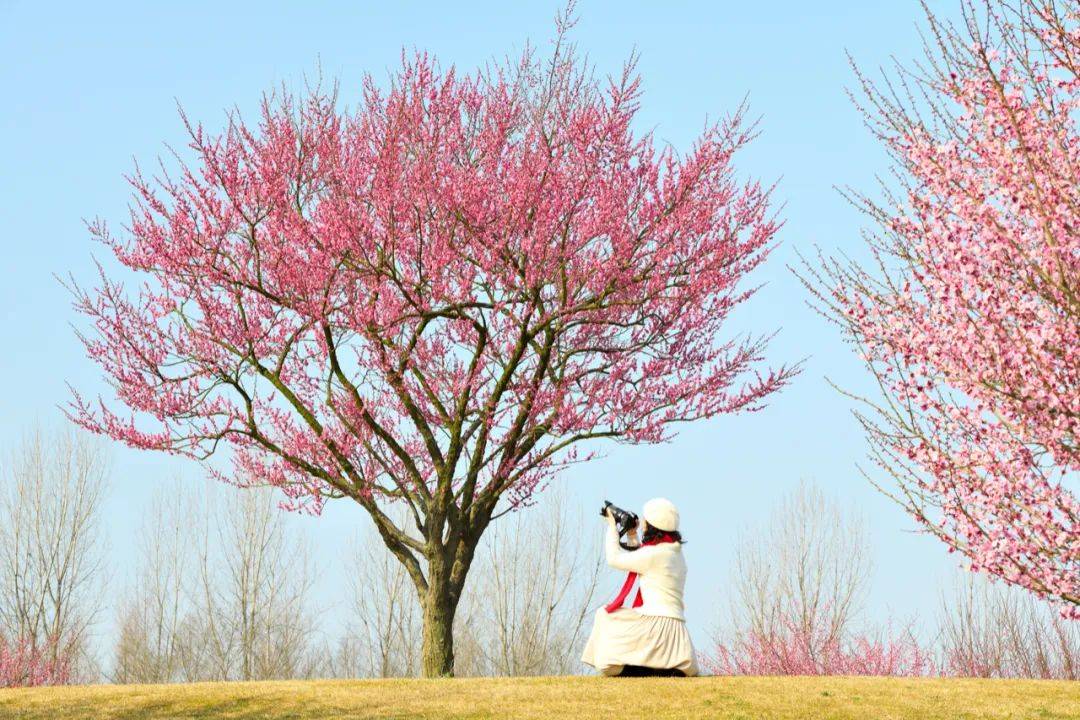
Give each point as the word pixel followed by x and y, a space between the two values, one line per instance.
pixel 384 639
pixel 222 592
pixel 808 567
pixel 51 545
pixel 990 630
pixel 252 610
pixel 149 648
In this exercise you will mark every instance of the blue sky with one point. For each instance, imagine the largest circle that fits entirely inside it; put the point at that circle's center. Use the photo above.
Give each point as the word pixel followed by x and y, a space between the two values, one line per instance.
pixel 91 87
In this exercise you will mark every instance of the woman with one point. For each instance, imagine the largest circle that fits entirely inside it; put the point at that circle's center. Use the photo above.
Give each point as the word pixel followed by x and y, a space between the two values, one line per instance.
pixel 649 638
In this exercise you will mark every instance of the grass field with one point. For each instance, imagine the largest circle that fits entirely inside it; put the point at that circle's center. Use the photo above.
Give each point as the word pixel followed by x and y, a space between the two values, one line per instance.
pixel 578 697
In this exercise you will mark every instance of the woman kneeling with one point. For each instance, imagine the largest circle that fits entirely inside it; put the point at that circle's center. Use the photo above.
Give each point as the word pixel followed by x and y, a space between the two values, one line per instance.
pixel 650 637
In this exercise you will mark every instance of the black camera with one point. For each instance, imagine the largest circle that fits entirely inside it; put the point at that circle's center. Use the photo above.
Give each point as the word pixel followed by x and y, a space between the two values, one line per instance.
pixel 624 519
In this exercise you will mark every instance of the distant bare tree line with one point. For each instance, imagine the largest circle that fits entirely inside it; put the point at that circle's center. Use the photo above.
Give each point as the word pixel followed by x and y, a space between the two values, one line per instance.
pixel 222 584
pixel 221 592
pixel 798 586
pixel 223 589
pixel 990 630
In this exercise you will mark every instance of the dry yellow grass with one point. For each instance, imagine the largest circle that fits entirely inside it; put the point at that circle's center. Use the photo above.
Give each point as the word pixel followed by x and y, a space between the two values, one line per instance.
pixel 578 697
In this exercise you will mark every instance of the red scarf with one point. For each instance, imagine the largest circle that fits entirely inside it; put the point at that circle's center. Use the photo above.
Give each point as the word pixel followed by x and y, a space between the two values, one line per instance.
pixel 632 576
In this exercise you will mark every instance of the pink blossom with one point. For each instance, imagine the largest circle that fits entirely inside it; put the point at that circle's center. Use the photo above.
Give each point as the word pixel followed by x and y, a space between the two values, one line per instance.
pixel 23 664
pixel 969 318
pixel 802 648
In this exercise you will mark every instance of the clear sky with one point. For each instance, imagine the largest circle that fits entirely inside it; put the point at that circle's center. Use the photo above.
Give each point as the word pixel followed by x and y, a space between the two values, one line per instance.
pixel 90 87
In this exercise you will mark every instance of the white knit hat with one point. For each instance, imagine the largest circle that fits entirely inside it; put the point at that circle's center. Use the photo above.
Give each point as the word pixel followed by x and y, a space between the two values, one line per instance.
pixel 661 514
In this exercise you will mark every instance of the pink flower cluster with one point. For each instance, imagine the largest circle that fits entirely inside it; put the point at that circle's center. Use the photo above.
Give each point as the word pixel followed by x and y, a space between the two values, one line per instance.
pixel 800 648
pixel 24 665
pixel 972 325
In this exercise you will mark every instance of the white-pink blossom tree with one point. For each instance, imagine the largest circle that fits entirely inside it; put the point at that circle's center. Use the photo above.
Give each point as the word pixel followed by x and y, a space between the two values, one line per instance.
pixel 433 299
pixel 969 313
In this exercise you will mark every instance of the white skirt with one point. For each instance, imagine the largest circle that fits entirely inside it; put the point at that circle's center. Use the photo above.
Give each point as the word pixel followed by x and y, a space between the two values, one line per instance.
pixel 626 637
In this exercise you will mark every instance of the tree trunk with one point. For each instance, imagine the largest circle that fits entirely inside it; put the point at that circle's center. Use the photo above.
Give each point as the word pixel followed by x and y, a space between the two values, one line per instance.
pixel 437 651
pixel 447 571
pixel 439 589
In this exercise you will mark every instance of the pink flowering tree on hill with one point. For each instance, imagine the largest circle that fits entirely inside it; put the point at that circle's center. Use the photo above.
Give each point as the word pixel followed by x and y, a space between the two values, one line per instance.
pixel 435 299
pixel 969 314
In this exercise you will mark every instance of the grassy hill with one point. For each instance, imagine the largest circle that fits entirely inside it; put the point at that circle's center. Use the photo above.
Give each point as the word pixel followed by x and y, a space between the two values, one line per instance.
pixel 577 697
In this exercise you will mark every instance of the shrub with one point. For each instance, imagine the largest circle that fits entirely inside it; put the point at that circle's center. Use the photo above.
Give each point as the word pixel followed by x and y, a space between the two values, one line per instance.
pixel 23 664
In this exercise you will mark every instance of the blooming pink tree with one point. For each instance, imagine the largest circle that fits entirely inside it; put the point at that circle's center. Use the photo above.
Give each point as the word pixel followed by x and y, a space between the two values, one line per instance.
pixel 969 314
pixel 434 299
pixel 24 665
